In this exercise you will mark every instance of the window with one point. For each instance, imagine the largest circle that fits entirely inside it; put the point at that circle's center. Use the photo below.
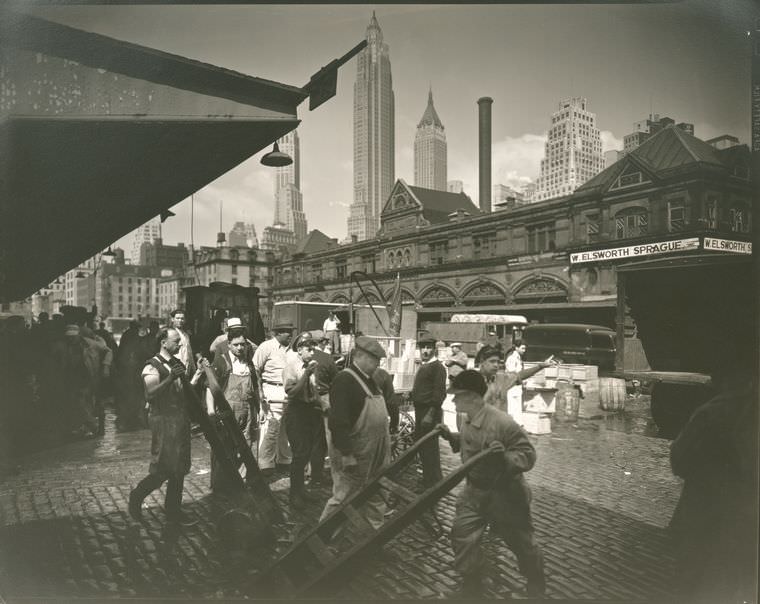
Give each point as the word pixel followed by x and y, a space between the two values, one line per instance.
pixel 632 222
pixel 592 227
pixel 316 272
pixel 676 215
pixel 439 252
pixel 234 281
pixel 340 269
pixel 234 269
pixel 738 219
pixel 369 263
pixel 711 214
pixel 483 245
pixel 541 237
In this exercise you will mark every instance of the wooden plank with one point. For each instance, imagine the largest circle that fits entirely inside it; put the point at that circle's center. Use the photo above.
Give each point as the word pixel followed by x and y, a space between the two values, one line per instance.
pixel 357 519
pixel 320 550
pixel 397 489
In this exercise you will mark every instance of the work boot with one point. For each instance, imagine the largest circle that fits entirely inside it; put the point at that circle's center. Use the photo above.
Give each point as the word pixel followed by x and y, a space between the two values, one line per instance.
pixel 135 506
pixel 471 587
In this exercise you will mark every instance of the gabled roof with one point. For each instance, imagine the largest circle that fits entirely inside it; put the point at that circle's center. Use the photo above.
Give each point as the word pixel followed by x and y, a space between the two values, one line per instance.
pixel 430 117
pixel 437 205
pixel 315 241
pixel 670 149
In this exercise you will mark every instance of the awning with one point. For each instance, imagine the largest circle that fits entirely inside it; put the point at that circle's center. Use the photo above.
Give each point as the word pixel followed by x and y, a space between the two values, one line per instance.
pixel 98 135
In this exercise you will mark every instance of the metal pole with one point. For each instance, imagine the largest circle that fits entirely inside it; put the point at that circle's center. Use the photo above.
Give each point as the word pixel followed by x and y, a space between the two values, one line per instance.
pixel 620 323
pixel 351 304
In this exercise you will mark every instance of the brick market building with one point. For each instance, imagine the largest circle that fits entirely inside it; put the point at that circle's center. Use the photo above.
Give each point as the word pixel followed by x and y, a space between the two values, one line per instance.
pixel 453 258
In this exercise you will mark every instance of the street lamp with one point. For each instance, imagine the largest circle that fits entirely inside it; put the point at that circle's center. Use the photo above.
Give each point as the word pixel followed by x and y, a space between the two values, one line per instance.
pixel 276 158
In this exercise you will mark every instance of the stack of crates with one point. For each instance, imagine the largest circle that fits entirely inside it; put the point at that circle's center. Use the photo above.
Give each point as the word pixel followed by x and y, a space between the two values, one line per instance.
pixel 584 376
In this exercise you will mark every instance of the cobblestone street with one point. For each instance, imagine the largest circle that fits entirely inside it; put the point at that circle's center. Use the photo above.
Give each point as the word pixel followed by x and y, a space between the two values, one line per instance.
pixel 602 501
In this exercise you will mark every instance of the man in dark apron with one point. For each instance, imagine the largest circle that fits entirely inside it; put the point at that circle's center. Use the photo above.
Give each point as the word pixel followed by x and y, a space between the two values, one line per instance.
pixel 170 429
pixel 358 440
pixel 233 367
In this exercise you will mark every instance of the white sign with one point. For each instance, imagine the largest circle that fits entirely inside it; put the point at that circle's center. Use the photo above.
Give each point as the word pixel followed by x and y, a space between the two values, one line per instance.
pixel 728 245
pixel 634 251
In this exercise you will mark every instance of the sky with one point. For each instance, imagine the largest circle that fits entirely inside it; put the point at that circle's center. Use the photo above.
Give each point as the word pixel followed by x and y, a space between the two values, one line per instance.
pixel 688 60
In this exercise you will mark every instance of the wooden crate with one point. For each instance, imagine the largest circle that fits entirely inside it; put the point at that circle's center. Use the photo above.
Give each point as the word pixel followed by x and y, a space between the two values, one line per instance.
pixel 537 423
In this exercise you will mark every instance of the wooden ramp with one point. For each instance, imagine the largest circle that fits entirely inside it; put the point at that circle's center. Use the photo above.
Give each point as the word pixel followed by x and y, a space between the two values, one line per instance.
pixel 311 566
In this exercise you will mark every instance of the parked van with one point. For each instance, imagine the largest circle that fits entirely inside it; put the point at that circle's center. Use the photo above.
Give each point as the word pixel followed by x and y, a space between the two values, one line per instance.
pixel 572 343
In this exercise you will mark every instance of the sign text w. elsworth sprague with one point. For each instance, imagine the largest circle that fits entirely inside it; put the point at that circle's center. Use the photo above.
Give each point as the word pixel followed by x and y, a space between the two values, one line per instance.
pixel 728 245
pixel 633 251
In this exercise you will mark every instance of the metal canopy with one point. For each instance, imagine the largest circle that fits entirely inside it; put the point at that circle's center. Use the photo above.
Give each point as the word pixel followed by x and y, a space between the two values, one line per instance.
pixel 98 135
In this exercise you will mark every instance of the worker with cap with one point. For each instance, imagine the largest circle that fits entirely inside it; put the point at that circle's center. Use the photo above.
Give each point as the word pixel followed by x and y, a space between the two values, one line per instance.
pixel 495 493
pixel 220 342
pixel 358 439
pixel 428 393
pixel 268 361
pixel 457 360
pixel 331 327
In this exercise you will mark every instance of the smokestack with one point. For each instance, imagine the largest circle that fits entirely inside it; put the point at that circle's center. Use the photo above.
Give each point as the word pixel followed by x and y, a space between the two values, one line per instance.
pixel 484 152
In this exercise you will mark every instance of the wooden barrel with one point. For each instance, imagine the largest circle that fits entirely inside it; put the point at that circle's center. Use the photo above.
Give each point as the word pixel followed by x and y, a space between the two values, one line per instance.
pixel 612 394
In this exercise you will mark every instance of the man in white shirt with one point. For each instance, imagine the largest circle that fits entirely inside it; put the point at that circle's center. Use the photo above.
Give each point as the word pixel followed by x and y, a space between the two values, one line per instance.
pixel 331 327
pixel 185 352
pixel 268 361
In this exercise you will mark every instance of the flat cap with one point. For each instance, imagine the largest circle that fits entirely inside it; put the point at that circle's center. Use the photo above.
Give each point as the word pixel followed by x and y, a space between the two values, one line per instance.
pixel 283 327
pixel 469 381
pixel 370 346
pixel 426 341
pixel 234 322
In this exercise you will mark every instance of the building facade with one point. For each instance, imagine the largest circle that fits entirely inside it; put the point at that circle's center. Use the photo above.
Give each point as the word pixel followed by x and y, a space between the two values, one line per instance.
pixel 157 254
pixel 288 199
pixel 573 150
pixel 643 129
pixel 374 132
pixel 145 233
pixel 278 238
pixel 430 150
pixel 673 189
pixel 455 186
pixel 243 234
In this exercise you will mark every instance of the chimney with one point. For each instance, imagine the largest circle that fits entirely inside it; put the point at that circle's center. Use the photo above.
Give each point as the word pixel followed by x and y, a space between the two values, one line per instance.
pixel 484 152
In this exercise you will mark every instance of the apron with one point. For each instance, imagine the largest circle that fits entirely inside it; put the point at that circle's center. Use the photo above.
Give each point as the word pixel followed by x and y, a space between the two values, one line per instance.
pixel 240 394
pixel 370 445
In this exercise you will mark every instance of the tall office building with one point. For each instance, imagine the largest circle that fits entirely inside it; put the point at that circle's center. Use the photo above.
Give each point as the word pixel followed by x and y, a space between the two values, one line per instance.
pixel 430 150
pixel 146 233
pixel 643 129
pixel 455 186
pixel 573 151
pixel 243 235
pixel 374 145
pixel 288 200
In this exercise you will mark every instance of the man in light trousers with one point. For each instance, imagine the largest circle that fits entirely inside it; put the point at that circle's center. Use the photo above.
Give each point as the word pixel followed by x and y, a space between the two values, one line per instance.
pixel 269 360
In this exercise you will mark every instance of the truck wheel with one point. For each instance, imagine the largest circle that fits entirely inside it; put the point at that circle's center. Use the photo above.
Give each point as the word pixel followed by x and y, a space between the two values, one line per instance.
pixel 672 405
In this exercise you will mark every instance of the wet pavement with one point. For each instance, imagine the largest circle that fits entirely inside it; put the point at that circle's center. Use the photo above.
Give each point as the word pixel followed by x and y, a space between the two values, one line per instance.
pixel 603 494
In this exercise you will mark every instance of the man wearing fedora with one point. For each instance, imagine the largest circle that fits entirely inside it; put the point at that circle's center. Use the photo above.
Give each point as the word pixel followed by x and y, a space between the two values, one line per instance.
pixel 495 493
pixel 428 394
pixel 269 360
pixel 358 439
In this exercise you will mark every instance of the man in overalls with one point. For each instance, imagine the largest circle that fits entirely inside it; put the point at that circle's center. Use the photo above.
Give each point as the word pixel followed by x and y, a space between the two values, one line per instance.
pixel 170 429
pixel 358 439
pixel 233 367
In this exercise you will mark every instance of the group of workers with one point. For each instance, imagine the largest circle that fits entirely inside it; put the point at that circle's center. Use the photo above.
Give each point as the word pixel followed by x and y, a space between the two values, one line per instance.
pixel 296 407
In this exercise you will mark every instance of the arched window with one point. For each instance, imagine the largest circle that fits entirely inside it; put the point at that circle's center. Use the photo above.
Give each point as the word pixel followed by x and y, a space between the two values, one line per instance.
pixel 739 218
pixel 407 257
pixel 631 222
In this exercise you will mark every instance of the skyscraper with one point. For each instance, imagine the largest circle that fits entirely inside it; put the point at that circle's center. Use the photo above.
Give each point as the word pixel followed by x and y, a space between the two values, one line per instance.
pixel 288 200
pixel 243 235
pixel 430 150
pixel 573 151
pixel 374 145
pixel 145 233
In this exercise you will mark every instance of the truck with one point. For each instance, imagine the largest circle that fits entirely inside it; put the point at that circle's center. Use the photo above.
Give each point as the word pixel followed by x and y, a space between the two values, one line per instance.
pixel 206 305
pixel 309 316
pixel 471 329
pixel 690 310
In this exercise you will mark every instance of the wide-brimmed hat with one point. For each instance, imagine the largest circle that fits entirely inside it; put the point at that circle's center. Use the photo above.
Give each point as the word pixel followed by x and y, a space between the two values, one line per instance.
pixel 468 381
pixel 370 346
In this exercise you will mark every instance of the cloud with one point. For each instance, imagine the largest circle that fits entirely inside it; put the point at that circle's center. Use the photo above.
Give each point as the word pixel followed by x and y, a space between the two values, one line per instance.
pixel 610 141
